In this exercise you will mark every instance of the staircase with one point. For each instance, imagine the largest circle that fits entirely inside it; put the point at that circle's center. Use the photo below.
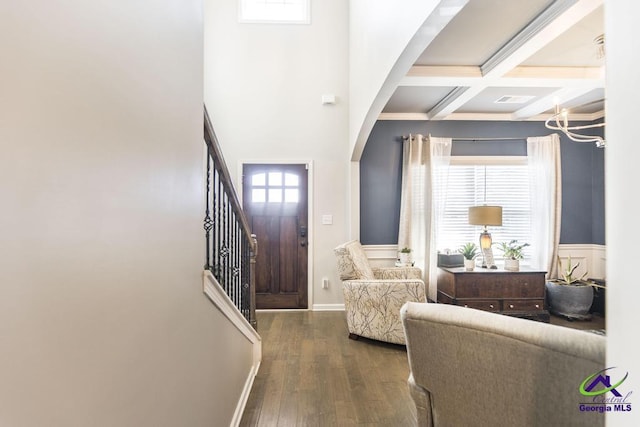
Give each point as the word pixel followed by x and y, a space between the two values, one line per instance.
pixel 231 249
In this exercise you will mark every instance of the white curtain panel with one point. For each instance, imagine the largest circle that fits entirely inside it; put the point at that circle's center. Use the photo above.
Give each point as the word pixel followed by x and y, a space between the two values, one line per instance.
pixel 545 183
pixel 425 168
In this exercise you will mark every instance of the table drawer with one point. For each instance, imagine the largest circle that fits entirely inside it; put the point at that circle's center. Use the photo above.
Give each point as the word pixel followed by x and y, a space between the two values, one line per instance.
pixel 486 305
pixel 497 285
pixel 514 305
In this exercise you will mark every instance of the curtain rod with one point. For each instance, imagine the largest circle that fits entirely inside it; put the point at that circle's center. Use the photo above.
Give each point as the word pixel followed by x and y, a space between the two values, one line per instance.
pixel 504 138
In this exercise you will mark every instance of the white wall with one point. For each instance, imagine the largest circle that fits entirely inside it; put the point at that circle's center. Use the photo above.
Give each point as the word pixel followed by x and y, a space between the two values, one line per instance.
pixel 263 92
pixel 621 164
pixel 102 317
pixel 385 40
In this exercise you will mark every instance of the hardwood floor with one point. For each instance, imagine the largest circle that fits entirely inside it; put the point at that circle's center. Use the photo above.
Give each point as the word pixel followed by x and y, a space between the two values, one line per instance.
pixel 313 375
pixel 597 322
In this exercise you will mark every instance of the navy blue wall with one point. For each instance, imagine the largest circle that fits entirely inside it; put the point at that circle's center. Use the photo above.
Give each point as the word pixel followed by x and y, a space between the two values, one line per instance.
pixel 381 174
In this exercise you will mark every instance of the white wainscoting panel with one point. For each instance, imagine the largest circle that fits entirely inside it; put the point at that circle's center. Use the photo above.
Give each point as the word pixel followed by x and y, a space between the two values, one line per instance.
pixel 592 258
pixel 381 255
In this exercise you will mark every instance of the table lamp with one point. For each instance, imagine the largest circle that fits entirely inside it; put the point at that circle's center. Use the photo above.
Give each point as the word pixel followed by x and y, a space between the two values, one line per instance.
pixel 485 216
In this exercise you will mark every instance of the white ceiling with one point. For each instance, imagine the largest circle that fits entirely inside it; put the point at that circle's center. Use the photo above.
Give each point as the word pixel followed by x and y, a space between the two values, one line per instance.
pixel 542 51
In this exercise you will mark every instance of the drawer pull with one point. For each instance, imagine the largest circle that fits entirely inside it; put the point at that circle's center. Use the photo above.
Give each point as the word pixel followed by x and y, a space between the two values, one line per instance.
pixel 510 305
pixel 537 305
pixel 490 305
pixel 466 306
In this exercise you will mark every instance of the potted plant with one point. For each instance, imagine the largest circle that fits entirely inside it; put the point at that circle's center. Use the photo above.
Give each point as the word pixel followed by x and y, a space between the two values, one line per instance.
pixel 571 296
pixel 512 252
pixel 405 256
pixel 469 251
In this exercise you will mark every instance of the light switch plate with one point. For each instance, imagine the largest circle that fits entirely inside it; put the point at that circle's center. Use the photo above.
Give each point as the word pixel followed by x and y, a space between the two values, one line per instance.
pixel 327 219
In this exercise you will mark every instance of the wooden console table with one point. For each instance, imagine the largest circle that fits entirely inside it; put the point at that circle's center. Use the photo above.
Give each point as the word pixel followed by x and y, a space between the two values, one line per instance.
pixel 514 293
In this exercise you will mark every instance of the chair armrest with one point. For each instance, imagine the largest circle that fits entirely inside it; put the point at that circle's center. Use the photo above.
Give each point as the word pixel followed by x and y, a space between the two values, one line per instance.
pixel 398 289
pixel 384 273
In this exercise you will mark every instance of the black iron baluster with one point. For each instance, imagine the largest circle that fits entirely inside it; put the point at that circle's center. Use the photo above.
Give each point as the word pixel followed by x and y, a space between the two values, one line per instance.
pixel 220 254
pixel 231 248
pixel 237 262
pixel 208 221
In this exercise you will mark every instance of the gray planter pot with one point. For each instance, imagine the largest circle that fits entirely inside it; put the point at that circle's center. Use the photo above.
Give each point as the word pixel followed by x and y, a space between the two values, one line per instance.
pixel 572 302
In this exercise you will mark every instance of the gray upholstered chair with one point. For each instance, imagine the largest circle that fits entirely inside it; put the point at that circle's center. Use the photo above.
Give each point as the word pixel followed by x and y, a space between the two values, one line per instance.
pixel 373 296
pixel 475 368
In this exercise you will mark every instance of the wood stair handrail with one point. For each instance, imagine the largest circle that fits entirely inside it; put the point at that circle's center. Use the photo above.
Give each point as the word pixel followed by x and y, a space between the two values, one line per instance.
pixel 216 152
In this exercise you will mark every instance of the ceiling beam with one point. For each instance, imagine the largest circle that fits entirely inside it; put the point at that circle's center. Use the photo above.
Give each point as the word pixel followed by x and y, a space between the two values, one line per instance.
pixel 444 71
pixel 454 100
pixel 502 117
pixel 578 73
pixel 403 116
pixel 551 23
pixel 425 76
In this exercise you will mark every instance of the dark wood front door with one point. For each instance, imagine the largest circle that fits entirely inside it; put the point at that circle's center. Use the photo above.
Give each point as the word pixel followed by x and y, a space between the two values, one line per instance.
pixel 275 202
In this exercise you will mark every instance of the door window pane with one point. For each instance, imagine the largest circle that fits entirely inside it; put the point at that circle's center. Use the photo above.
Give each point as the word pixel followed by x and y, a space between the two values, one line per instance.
pixel 258 195
pixel 275 195
pixel 275 186
pixel 258 179
pixel 275 179
pixel 274 11
pixel 290 180
pixel 291 195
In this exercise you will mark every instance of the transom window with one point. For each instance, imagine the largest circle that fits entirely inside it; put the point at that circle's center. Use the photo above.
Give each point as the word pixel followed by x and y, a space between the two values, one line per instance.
pixel 507 185
pixel 275 187
pixel 274 11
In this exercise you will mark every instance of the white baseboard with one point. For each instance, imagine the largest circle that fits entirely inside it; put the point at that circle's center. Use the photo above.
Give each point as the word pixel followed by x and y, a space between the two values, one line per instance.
pixel 328 307
pixel 314 307
pixel 221 300
pixel 244 397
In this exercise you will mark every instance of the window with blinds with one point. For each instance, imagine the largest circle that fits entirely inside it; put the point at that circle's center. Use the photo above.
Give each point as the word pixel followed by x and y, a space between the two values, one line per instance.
pixel 476 181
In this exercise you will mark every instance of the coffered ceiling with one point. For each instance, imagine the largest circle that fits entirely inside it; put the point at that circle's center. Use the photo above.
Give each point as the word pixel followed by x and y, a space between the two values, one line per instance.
pixel 508 60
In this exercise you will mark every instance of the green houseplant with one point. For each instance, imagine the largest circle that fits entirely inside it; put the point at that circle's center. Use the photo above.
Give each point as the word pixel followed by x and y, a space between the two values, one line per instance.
pixel 469 251
pixel 512 252
pixel 570 295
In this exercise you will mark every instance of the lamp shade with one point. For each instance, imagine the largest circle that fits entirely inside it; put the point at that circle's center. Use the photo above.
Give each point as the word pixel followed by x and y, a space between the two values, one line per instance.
pixel 485 215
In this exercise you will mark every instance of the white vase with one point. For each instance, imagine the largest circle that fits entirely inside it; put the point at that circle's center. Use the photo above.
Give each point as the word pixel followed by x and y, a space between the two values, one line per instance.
pixel 405 258
pixel 512 265
pixel 469 264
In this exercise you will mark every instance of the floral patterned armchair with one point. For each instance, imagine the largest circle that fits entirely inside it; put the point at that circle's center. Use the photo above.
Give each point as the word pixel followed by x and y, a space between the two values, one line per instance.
pixel 373 296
